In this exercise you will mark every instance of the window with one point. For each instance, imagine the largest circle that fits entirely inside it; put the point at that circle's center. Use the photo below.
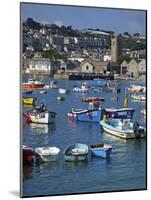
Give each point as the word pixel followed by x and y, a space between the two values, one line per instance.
pixel 87 67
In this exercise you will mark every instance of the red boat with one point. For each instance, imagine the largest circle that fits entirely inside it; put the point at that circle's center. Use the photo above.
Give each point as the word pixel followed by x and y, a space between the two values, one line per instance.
pixel 28 154
pixel 93 99
pixel 32 83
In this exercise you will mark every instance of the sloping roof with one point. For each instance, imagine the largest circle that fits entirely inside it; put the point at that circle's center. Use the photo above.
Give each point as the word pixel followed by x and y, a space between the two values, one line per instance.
pixel 95 32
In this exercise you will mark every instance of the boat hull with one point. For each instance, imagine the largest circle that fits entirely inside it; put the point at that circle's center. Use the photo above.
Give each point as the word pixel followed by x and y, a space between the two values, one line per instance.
pixel 40 118
pixel 90 116
pixel 32 86
pixel 28 155
pixel 75 157
pixel 28 101
pixel 47 154
pixel 119 132
pixel 80 153
pixel 124 113
pixel 102 152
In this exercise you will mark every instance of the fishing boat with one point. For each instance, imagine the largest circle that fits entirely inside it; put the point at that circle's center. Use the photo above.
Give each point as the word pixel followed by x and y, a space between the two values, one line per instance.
pixel 143 111
pixel 123 128
pixel 101 150
pixel 80 90
pixel 138 97
pixel 47 154
pixel 52 85
pixel 32 83
pixel 63 91
pixel 44 117
pixel 135 88
pixel 60 98
pixel 28 154
pixel 43 92
pixel 28 100
pixel 76 152
pixel 91 114
pixel 126 113
pixel 83 89
pixel 28 92
pixel 92 99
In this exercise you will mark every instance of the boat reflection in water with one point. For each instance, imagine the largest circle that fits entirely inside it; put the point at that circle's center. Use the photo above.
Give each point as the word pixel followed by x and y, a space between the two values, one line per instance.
pixel 42 128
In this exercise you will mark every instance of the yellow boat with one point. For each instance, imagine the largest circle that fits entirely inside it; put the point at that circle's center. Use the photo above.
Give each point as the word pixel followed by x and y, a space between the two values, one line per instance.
pixel 28 100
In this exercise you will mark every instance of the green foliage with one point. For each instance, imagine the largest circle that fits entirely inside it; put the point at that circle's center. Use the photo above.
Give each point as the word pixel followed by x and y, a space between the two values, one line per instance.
pixel 52 54
pixel 122 58
pixel 37 46
pixel 133 43
pixel 33 24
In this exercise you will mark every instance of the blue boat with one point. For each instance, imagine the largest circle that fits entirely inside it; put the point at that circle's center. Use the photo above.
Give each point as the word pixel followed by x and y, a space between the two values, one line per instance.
pixel 76 152
pixel 92 114
pixel 123 128
pixel 121 113
pixel 101 150
pixel 28 92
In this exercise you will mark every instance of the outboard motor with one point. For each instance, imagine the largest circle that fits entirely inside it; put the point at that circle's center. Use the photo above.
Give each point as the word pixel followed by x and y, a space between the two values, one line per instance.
pixel 137 130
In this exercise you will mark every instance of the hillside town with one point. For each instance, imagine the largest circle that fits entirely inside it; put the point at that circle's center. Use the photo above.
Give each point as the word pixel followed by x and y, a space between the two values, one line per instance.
pixel 65 53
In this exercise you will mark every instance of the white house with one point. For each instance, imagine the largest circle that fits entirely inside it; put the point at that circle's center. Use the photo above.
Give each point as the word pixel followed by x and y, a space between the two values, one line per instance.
pixel 133 68
pixel 124 67
pixel 38 65
pixel 107 58
pixel 87 67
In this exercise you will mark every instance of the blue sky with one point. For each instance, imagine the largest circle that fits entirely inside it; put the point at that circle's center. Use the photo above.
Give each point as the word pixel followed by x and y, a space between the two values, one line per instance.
pixel 115 20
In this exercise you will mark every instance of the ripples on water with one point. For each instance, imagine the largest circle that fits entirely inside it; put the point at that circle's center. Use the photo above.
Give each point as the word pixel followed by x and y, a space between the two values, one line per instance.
pixel 125 170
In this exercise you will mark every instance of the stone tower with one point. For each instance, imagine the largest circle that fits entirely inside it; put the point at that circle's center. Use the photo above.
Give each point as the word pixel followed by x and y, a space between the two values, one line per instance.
pixel 114 49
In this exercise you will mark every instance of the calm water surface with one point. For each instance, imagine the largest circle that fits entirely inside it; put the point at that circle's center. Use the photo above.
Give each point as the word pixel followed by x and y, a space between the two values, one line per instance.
pixel 124 170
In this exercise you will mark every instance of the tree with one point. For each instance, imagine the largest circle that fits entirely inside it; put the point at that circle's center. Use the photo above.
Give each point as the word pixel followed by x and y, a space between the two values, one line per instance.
pixel 122 58
pixel 136 34
pixel 37 46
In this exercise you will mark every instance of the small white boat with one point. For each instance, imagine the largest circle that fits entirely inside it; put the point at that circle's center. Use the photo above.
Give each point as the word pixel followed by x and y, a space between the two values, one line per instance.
pixel 63 91
pixel 60 98
pixel 80 90
pixel 138 97
pixel 143 111
pixel 40 117
pixel 136 88
pixel 123 128
pixel 52 85
pixel 47 154
pixel 43 92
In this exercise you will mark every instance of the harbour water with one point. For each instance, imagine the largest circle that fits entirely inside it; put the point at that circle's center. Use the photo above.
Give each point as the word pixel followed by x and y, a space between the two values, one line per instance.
pixel 124 170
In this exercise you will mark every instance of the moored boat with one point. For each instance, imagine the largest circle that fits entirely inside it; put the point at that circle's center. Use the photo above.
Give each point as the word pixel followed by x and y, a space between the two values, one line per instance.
pixel 28 100
pixel 135 88
pixel 143 111
pixel 123 128
pixel 76 152
pixel 52 85
pixel 92 99
pixel 44 117
pixel 83 89
pixel 122 113
pixel 60 98
pixel 43 92
pixel 28 154
pixel 40 115
pixel 47 154
pixel 101 150
pixel 138 97
pixel 63 91
pixel 32 83
pixel 91 114
pixel 28 92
